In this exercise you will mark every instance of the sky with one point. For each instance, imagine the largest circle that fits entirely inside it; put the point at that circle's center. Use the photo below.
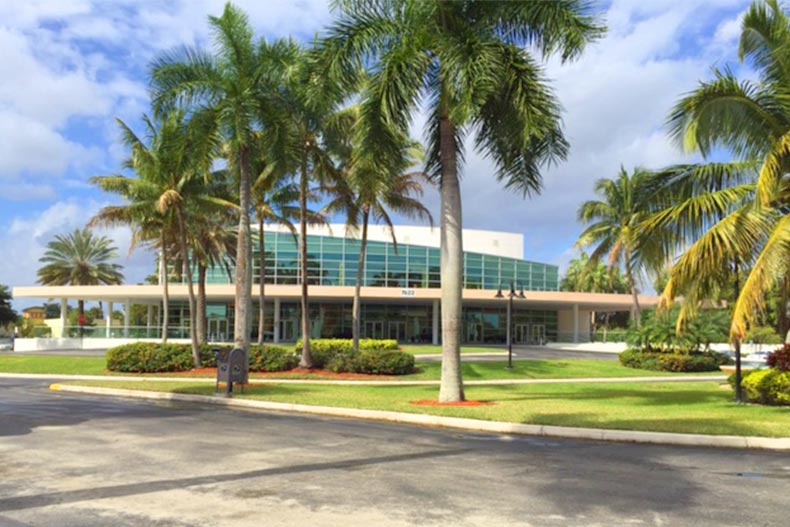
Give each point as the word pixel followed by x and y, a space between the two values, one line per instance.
pixel 70 68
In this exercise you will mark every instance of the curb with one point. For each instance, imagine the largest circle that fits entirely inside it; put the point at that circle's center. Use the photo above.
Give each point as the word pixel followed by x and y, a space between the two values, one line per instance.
pixel 626 436
pixel 342 382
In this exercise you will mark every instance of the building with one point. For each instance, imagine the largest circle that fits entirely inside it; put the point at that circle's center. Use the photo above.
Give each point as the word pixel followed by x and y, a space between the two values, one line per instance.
pixel 37 315
pixel 400 291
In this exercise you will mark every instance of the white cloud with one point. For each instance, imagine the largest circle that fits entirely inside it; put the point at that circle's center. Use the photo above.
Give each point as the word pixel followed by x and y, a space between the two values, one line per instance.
pixel 24 240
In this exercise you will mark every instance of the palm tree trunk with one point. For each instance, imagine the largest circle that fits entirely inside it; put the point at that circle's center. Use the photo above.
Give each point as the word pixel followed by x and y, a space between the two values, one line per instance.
pixel 202 318
pixel 261 277
pixel 307 359
pixel 783 326
pixel 358 286
pixel 165 292
pixel 634 294
pixel 182 240
pixel 452 384
pixel 241 326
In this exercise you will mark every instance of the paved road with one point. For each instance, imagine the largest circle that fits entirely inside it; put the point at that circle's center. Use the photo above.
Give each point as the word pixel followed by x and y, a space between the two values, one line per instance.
pixel 71 461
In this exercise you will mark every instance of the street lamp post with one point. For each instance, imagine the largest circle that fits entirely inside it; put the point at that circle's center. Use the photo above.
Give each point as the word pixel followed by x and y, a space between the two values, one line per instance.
pixel 510 296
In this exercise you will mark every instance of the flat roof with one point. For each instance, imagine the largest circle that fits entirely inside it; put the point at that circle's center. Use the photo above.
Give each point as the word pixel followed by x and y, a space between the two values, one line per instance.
pixel 152 294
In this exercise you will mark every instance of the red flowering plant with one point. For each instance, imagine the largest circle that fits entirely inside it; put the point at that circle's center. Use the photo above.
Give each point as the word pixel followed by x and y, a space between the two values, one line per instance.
pixel 780 359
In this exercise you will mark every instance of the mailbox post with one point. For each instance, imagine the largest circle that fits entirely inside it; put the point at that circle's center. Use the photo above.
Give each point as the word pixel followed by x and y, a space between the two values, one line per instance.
pixel 232 366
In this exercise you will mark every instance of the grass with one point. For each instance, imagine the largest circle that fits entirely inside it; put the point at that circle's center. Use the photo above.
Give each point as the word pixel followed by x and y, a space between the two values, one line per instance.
pixel 472 371
pixel 427 349
pixel 56 365
pixel 702 408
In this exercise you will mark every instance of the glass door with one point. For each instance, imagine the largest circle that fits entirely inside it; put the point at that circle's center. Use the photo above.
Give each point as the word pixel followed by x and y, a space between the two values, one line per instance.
pixel 522 334
pixel 374 329
pixel 218 330
pixel 396 330
pixel 538 334
pixel 288 330
pixel 474 332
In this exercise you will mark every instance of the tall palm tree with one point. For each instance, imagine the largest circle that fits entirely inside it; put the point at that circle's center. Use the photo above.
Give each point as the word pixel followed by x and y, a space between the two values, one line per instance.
pixel 172 168
pixel 306 127
pixel 614 227
pixel 468 62
pixel 228 83
pixel 80 258
pixel 750 119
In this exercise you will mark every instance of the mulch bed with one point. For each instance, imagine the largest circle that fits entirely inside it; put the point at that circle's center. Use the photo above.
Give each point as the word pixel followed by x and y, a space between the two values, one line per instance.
pixel 462 404
pixel 297 373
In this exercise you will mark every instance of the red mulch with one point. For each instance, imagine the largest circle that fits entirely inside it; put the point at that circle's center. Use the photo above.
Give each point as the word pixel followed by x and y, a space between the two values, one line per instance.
pixel 432 402
pixel 295 373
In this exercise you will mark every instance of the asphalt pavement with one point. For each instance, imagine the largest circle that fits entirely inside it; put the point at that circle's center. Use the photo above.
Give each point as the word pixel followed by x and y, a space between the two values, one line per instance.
pixel 86 461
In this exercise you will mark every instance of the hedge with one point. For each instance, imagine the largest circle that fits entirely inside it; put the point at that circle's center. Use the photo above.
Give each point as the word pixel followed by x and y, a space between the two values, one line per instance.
pixel 153 357
pixel 673 361
pixel 323 351
pixel 771 387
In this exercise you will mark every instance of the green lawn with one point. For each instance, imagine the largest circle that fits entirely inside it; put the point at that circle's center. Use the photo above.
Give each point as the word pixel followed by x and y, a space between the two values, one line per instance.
pixel 703 408
pixel 57 365
pixel 427 349
pixel 473 371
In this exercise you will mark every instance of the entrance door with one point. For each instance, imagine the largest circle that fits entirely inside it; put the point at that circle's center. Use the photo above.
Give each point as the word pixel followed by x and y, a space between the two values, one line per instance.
pixel 522 334
pixel 288 330
pixel 396 330
pixel 474 332
pixel 218 329
pixel 374 329
pixel 538 334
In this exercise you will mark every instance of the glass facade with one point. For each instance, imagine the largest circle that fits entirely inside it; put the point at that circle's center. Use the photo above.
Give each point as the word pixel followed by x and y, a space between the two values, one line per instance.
pixel 334 261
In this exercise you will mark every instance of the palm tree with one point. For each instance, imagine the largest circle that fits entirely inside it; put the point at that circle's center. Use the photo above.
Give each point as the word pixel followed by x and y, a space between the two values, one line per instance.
pixel 378 190
pixel 172 172
pixel 306 129
pixel 228 85
pixel 273 200
pixel 466 61
pixel 614 224
pixel 80 258
pixel 751 119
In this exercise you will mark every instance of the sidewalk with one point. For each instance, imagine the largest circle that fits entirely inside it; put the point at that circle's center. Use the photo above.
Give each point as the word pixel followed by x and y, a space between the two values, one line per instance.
pixel 345 382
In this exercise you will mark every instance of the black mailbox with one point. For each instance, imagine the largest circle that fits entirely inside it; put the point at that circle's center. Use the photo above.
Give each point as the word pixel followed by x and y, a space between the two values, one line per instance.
pixel 232 366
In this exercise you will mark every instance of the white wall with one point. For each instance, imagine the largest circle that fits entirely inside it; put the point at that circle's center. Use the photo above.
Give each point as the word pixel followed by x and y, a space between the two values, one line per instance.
pixel 39 344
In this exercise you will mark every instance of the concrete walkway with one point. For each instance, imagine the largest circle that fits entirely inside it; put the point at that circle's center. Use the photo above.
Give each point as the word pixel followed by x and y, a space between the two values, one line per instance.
pixel 349 382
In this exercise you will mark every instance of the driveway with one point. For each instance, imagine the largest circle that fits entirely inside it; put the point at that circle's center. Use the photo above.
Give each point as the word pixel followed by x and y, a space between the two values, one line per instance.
pixel 71 461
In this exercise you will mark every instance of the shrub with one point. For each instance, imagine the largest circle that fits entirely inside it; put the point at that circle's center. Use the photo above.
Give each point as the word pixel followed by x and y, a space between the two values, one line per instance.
pixel 767 387
pixel 152 357
pixel 385 362
pixel 658 332
pixel 673 361
pixel 780 359
pixel 323 350
pixel 149 357
pixel 272 358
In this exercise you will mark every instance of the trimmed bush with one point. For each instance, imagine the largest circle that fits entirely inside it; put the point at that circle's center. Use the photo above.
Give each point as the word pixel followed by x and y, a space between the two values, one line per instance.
pixel 272 358
pixel 323 351
pixel 149 357
pixel 770 387
pixel 153 357
pixel 385 362
pixel 673 361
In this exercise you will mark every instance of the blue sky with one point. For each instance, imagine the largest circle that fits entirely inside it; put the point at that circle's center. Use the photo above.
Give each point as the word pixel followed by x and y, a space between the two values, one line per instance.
pixel 71 67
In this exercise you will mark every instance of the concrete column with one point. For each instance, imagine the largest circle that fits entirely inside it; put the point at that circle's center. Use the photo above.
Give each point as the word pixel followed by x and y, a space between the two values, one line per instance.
pixel 509 316
pixel 127 317
pixel 64 307
pixel 108 319
pixel 276 326
pixel 575 323
pixel 435 324
pixel 149 320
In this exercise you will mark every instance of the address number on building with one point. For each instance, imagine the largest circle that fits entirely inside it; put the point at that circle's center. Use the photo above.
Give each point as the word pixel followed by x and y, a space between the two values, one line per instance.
pixel 408 292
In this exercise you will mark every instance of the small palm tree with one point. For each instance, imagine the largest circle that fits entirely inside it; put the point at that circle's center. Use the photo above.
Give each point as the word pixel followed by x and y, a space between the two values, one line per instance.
pixel 614 227
pixel 80 258
pixel 468 62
